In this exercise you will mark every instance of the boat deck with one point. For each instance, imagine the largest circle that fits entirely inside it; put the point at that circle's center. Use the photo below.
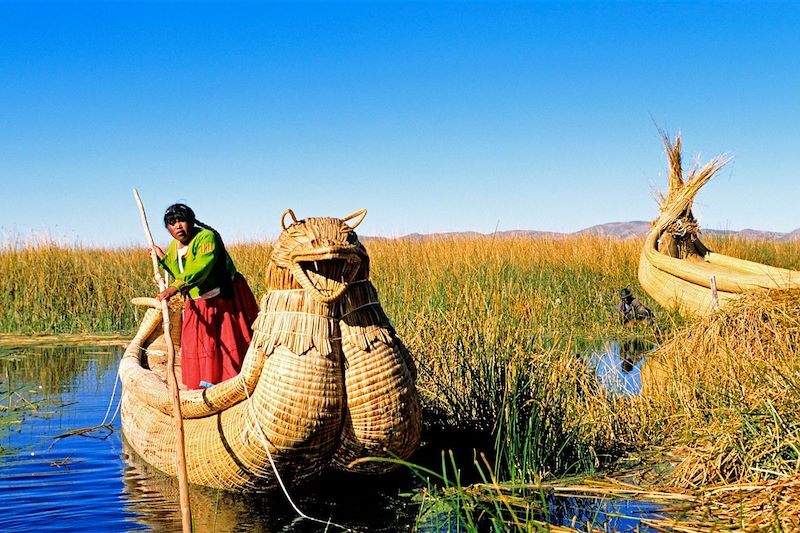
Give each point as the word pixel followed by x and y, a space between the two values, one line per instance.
pixel 156 360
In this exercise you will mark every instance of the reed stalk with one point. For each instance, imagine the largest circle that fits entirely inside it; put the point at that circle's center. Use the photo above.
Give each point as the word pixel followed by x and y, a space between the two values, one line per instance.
pixel 500 329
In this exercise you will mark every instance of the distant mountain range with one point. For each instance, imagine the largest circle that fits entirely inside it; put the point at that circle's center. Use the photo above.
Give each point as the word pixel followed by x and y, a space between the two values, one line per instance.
pixel 619 230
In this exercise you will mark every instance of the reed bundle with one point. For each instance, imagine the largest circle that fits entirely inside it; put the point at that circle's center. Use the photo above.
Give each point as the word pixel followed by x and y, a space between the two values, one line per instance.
pixel 763 506
pixel 677 269
pixel 727 390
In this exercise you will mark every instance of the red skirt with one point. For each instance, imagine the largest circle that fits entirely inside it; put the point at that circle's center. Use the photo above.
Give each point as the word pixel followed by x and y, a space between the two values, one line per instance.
pixel 216 333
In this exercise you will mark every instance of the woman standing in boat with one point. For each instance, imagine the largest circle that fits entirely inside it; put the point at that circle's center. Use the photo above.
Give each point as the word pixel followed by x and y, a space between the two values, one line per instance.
pixel 219 307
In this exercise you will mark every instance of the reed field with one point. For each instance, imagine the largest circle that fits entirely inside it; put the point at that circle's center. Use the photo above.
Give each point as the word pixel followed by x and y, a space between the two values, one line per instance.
pixel 500 330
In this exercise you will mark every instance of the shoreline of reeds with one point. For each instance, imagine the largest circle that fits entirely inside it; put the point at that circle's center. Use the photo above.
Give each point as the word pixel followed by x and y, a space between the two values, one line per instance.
pixel 498 328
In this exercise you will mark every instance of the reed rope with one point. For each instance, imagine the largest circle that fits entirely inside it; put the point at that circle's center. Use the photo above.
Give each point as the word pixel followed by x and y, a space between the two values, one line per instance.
pixel 264 441
pixel 109 425
pixel 111 400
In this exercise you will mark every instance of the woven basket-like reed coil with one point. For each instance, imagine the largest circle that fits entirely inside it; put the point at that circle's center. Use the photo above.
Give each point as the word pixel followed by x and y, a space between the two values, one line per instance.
pixel 325 380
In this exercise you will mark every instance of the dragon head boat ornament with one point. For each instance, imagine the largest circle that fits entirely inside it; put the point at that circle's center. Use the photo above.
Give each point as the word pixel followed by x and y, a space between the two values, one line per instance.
pixel 326 381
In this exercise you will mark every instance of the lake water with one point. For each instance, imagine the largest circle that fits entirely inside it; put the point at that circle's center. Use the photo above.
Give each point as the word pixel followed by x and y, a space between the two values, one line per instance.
pixel 95 483
pixel 618 365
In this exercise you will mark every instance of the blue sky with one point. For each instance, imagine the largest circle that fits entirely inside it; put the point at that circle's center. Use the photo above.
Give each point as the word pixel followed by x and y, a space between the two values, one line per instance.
pixel 436 116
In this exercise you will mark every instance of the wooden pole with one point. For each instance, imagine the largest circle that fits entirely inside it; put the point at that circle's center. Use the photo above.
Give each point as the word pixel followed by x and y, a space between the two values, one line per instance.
pixel 714 297
pixel 183 478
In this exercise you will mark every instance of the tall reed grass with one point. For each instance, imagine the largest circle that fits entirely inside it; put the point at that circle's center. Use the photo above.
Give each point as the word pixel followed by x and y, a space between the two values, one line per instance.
pixel 721 404
pixel 727 391
pixel 499 329
pixel 49 288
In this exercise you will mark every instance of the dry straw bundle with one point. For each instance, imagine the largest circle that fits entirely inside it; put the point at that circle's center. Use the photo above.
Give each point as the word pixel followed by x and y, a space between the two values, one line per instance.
pixel 766 506
pixel 325 381
pixel 676 268
pixel 727 390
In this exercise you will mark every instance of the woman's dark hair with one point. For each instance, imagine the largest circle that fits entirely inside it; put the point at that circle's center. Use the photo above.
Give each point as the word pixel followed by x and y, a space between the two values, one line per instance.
pixel 177 212
pixel 183 212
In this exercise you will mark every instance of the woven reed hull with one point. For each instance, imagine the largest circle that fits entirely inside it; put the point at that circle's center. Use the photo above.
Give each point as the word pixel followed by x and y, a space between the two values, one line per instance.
pixel 673 292
pixel 675 267
pixel 383 417
pixel 319 401
pixel 383 413
pixel 685 284
pixel 225 450
pixel 296 401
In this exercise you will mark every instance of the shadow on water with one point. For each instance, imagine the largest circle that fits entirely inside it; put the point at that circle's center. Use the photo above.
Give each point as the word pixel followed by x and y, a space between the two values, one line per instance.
pixel 617 366
pixel 364 504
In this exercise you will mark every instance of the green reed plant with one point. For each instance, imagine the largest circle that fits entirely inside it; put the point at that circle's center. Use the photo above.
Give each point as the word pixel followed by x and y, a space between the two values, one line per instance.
pixel 500 341
pixel 557 419
pixel 446 504
pixel 53 289
pixel 499 329
pixel 32 379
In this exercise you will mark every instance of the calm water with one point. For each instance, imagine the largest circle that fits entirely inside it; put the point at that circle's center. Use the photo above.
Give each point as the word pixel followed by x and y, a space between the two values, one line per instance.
pixel 95 483
pixel 618 365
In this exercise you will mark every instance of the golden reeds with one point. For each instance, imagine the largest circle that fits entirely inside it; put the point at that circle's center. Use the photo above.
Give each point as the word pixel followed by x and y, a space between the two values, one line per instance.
pixel 495 326
pixel 764 506
pixel 677 269
pixel 727 391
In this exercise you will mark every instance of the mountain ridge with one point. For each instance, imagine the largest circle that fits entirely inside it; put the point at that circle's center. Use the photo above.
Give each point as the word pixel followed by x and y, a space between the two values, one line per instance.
pixel 620 230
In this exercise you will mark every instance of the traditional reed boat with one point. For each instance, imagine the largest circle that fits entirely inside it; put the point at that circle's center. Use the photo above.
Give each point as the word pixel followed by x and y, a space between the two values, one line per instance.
pixel 325 381
pixel 676 268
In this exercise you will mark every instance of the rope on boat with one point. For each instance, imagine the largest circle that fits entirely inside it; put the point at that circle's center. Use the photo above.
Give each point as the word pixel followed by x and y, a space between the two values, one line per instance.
pixel 303 334
pixel 263 436
pixel 105 424
pixel 301 289
pixel 113 393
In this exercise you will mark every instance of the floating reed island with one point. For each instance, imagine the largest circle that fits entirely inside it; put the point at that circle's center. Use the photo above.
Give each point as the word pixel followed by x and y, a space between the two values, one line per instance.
pixel 721 400
pixel 676 268
pixel 326 380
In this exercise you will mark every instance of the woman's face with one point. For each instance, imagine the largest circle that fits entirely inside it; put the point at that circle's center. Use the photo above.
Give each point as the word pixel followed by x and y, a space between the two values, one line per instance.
pixel 181 230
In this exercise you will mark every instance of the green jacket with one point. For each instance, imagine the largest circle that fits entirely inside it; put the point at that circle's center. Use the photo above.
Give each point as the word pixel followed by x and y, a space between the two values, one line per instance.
pixel 201 270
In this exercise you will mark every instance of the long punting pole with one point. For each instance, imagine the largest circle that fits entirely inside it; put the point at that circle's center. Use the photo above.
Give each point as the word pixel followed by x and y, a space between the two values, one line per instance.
pixel 183 478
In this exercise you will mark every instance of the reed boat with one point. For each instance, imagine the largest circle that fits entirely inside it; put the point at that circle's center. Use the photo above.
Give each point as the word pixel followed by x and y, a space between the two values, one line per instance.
pixel 676 268
pixel 325 381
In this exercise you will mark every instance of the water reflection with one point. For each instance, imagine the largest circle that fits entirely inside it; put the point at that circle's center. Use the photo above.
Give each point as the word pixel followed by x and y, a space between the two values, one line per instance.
pixel 96 483
pixel 618 365
pixel 581 513
pixel 361 503
pixel 69 484
pixel 593 514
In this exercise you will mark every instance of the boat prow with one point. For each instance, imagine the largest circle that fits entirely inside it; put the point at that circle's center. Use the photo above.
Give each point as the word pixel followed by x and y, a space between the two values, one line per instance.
pixel 325 381
pixel 676 268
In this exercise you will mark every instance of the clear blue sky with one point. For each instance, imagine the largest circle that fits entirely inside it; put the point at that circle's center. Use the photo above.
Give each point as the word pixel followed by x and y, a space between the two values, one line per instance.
pixel 435 116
